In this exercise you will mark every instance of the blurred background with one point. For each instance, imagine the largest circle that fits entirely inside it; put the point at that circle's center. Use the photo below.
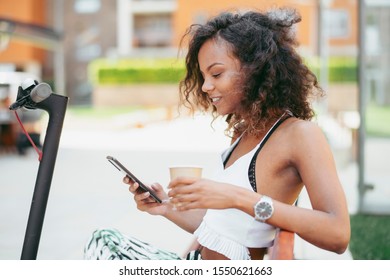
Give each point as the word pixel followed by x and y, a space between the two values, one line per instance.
pixel 119 63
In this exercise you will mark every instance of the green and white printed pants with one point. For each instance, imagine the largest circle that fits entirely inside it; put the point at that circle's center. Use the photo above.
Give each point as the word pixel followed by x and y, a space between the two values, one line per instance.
pixel 110 244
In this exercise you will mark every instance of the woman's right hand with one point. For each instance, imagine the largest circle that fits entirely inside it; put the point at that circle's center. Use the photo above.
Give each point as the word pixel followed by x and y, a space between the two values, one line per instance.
pixel 145 202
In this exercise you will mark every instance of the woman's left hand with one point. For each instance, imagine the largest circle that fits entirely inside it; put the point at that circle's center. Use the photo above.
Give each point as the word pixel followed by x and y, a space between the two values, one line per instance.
pixel 193 193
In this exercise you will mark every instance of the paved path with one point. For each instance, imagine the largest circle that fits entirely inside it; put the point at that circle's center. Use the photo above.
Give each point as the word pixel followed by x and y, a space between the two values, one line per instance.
pixel 87 193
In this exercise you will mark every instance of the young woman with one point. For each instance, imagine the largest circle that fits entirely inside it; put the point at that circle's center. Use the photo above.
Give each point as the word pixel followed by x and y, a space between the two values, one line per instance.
pixel 244 67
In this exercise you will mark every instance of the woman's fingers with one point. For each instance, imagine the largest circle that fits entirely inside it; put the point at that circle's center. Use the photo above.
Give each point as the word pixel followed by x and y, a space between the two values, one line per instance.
pixel 141 197
pixel 127 180
pixel 183 188
pixel 179 181
pixel 133 188
pixel 185 199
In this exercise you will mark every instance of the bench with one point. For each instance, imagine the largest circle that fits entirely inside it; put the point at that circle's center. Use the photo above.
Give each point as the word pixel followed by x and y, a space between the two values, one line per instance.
pixel 283 248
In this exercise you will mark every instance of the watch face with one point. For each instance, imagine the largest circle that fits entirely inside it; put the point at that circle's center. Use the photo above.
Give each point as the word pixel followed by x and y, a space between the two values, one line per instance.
pixel 264 210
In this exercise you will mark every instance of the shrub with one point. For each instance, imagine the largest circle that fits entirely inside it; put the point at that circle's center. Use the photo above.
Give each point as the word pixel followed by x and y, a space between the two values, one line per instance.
pixel 340 69
pixel 136 71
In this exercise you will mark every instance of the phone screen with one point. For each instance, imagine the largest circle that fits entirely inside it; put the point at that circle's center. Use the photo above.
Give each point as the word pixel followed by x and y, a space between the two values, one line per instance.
pixel 126 172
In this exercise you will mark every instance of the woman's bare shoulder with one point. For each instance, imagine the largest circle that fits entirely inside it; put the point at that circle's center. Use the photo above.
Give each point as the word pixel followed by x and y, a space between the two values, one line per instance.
pixel 304 129
pixel 305 137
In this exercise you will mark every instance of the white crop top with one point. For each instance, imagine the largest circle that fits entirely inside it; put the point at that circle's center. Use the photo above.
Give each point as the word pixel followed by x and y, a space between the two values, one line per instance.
pixel 231 231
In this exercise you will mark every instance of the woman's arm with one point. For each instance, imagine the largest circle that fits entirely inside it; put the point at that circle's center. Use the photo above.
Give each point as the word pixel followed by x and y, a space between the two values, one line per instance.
pixel 187 220
pixel 327 225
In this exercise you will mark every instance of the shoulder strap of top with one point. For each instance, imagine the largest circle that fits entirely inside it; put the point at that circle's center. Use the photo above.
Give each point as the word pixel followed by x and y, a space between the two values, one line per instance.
pixel 252 165
pixel 226 155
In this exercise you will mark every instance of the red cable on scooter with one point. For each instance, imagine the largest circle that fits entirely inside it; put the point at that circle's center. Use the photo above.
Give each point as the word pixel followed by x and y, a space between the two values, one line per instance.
pixel 40 154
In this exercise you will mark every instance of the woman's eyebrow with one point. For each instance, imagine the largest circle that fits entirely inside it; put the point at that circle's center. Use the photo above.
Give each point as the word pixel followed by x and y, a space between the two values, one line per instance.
pixel 213 64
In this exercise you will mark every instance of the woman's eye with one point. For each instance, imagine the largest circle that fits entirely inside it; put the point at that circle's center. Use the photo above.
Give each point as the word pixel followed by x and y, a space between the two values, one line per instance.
pixel 216 75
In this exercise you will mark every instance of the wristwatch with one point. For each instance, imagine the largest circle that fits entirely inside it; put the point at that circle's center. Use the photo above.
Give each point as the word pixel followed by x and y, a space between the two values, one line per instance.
pixel 263 209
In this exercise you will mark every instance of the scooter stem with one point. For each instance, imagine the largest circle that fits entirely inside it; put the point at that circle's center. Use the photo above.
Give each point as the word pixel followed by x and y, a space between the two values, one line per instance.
pixel 55 105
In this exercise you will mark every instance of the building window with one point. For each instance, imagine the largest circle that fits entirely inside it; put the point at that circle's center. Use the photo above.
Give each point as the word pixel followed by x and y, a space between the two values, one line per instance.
pixel 153 30
pixel 87 6
pixel 338 24
pixel 86 44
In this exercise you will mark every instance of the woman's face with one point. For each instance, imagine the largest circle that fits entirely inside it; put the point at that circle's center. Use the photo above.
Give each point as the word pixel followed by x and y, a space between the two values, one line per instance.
pixel 221 73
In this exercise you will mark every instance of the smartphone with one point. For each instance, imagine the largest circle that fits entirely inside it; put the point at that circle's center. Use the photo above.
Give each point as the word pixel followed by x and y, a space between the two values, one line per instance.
pixel 126 172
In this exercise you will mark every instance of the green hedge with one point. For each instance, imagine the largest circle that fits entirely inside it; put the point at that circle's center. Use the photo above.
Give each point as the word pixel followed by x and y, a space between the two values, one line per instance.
pixel 340 69
pixel 135 71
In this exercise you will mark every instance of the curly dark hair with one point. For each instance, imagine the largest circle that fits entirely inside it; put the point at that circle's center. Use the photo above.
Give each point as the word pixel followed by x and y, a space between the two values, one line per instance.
pixel 274 77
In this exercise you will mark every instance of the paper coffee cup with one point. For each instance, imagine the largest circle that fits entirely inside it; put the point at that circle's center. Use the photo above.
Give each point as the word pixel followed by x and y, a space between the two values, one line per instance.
pixel 185 171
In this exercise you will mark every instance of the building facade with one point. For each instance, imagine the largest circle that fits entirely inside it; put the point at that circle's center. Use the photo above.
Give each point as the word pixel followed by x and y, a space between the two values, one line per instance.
pixel 133 28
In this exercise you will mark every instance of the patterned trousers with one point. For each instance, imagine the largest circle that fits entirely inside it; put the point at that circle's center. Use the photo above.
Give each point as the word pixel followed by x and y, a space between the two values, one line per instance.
pixel 110 244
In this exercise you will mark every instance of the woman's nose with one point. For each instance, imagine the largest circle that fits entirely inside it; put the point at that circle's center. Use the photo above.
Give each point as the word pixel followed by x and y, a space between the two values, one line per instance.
pixel 207 86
